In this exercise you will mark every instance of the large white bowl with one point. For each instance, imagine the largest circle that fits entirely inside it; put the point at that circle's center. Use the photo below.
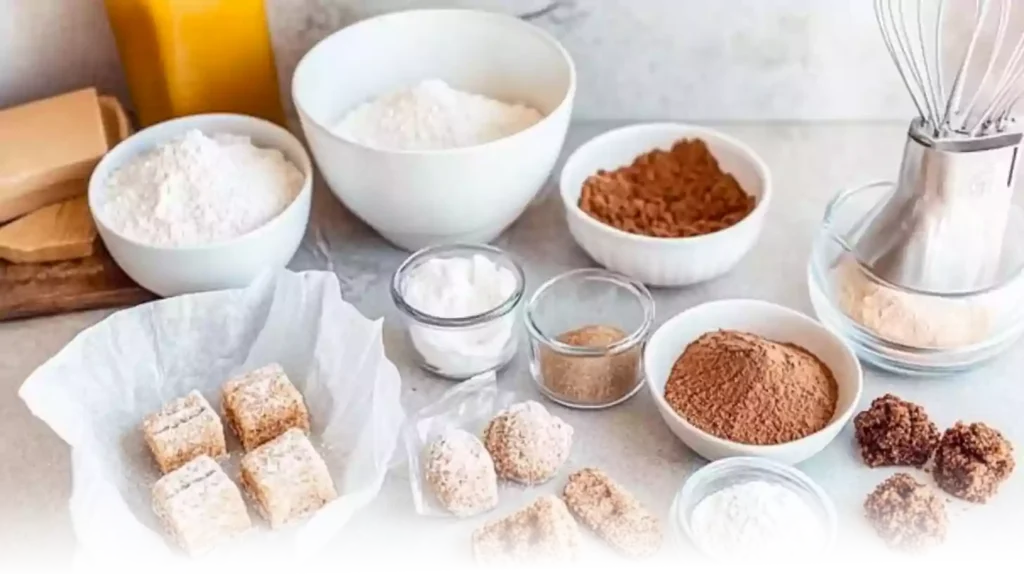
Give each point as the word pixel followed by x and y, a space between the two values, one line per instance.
pixel 656 261
pixel 416 199
pixel 170 271
pixel 767 320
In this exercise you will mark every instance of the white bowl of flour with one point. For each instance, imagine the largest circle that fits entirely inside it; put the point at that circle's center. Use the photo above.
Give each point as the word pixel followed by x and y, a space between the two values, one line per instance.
pixel 202 203
pixel 436 126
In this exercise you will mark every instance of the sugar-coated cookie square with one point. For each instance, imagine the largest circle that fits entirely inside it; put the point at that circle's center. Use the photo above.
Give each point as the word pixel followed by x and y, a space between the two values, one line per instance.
pixel 182 430
pixel 287 478
pixel 261 405
pixel 199 506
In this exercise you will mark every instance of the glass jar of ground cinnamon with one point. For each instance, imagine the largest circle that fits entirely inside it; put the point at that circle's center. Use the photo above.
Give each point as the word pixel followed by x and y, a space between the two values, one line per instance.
pixel 587 331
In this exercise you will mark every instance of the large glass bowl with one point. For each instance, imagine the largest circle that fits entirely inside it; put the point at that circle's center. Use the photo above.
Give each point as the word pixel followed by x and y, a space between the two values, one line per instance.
pixel 904 331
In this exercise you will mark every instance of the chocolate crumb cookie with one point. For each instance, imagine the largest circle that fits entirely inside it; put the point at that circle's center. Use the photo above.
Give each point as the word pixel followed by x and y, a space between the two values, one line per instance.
pixel 972 461
pixel 907 514
pixel 895 432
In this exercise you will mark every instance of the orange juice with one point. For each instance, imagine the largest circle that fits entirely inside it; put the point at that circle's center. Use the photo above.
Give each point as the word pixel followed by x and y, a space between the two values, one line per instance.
pixel 185 57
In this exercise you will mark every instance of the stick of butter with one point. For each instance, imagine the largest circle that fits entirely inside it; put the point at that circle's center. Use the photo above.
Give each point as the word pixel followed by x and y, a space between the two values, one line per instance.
pixel 46 145
pixel 54 233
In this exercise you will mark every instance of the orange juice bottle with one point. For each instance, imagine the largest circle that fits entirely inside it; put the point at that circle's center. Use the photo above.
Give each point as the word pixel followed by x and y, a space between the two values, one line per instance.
pixel 186 57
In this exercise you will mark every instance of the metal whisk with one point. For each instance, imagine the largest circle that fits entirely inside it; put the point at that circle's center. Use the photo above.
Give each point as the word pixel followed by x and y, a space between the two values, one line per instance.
pixel 942 228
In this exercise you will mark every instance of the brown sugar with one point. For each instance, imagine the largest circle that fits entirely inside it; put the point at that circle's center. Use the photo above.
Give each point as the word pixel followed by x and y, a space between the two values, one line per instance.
pixel 907 514
pixel 894 432
pixel 681 192
pixel 591 380
pixel 972 461
pixel 745 388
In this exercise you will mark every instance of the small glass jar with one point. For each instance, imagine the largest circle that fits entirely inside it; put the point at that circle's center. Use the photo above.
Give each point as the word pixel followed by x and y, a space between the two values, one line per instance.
pixel 587 331
pixel 459 348
pixel 727 472
pixel 905 331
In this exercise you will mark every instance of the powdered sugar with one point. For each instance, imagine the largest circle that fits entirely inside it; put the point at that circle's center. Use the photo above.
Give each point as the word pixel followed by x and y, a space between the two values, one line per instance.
pixel 433 116
pixel 755 519
pixel 199 189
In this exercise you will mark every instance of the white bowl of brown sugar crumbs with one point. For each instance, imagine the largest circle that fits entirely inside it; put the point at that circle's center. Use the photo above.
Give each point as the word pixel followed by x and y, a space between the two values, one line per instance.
pixel 751 378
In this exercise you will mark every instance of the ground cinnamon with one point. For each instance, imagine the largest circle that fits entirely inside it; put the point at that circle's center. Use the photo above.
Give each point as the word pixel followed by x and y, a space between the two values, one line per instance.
pixel 748 389
pixel 681 192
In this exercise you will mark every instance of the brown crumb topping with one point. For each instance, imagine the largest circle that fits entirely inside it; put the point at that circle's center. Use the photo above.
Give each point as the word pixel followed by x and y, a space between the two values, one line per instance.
pixel 907 514
pixel 895 432
pixel 972 461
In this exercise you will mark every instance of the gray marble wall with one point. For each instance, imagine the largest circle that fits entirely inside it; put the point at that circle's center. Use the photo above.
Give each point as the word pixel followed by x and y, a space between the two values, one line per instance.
pixel 637 59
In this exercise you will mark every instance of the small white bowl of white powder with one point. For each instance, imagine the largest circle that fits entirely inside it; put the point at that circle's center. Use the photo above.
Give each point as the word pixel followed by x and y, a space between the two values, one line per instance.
pixel 754 510
pixel 436 126
pixel 203 202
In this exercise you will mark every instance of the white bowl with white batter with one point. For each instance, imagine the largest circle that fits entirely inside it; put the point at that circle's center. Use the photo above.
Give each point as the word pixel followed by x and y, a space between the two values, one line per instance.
pixel 421 196
pixel 190 253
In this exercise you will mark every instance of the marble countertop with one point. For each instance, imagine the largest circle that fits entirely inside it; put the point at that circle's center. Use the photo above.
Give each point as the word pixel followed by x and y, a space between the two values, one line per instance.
pixel 809 164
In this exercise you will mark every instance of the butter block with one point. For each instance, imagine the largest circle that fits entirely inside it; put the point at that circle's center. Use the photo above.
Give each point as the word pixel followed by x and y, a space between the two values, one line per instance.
pixel 46 144
pixel 56 232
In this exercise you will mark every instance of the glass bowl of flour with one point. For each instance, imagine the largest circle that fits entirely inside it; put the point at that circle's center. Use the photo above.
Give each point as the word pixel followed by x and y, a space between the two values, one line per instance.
pixel 902 330
pixel 749 508
pixel 460 305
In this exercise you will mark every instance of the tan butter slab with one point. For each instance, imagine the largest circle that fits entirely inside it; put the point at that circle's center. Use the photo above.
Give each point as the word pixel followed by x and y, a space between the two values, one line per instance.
pixel 44 145
pixel 54 233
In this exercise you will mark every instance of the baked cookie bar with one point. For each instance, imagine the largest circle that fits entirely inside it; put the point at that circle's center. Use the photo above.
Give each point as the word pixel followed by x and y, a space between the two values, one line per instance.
pixel 261 405
pixel 183 429
pixel 543 532
pixel 199 506
pixel 612 513
pixel 287 478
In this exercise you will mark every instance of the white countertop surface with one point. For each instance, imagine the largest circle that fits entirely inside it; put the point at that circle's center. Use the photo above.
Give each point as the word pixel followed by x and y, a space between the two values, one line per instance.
pixel 809 164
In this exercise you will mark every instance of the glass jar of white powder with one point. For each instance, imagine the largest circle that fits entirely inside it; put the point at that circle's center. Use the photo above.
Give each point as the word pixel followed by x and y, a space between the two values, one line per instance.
pixel 754 509
pixel 460 305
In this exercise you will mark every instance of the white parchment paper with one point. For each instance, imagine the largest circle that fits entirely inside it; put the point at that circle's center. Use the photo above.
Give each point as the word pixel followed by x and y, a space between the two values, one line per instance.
pixel 95 392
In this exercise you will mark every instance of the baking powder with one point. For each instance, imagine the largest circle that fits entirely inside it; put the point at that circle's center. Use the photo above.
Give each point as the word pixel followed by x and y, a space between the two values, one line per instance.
pixel 755 519
pixel 459 287
pixel 433 116
pixel 196 190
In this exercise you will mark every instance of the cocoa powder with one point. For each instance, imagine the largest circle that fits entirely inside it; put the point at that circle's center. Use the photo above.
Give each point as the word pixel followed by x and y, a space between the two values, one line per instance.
pixel 748 389
pixel 681 192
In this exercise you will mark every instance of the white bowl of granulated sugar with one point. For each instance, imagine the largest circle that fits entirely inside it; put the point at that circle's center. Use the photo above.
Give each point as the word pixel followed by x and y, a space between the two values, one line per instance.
pixel 202 203
pixel 436 126
pixel 752 378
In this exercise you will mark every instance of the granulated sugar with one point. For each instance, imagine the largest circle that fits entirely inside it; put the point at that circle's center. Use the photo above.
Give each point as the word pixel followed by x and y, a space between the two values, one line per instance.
pixel 199 189
pixel 433 116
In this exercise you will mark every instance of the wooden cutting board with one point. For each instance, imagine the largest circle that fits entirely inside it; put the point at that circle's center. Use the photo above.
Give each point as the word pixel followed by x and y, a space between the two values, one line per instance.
pixel 96 282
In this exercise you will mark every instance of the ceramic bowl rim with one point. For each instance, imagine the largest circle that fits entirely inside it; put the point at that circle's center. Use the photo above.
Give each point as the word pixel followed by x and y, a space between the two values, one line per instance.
pixel 839 419
pixel 106 165
pixel 682 130
pixel 563 104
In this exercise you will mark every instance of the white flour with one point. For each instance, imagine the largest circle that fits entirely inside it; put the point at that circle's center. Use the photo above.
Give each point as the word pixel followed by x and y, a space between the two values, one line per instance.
pixel 433 116
pixel 196 190
pixel 756 519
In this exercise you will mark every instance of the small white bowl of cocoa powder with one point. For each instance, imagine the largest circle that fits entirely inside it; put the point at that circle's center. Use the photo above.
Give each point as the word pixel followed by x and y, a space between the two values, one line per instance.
pixel 752 378
pixel 666 204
